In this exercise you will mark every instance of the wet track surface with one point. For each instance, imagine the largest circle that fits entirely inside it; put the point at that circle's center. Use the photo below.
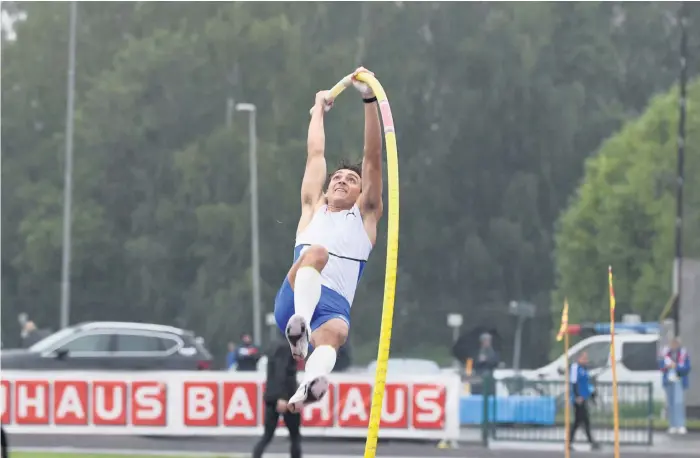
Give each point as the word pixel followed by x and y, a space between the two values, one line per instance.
pixel 685 447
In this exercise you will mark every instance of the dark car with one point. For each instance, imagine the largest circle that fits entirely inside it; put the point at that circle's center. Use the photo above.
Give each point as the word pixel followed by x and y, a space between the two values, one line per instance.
pixel 112 346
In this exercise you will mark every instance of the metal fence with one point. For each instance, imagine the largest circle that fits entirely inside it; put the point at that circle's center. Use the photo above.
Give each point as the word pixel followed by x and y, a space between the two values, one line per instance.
pixel 535 411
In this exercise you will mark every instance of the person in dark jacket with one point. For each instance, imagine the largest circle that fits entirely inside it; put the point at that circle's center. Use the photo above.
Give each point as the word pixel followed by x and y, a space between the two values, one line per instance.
pixel 582 393
pixel 487 360
pixel 247 355
pixel 3 442
pixel 484 364
pixel 281 385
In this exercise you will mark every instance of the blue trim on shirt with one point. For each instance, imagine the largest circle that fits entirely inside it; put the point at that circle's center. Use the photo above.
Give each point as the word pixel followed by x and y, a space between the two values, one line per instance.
pixel 362 269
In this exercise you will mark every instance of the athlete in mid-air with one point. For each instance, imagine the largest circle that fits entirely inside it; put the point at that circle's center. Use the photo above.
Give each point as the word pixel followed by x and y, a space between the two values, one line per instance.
pixel 336 233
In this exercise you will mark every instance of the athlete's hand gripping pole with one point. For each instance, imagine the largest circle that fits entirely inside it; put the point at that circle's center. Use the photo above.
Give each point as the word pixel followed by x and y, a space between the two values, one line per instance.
pixel 335 91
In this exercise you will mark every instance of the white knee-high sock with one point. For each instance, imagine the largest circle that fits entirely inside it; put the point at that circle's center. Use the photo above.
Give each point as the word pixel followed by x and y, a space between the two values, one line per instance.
pixel 321 362
pixel 307 292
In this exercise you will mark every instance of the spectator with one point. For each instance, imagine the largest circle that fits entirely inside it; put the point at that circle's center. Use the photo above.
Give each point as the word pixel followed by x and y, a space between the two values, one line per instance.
pixel 281 385
pixel 469 343
pixel 247 355
pixel 581 393
pixel 231 357
pixel 675 367
pixel 32 335
pixel 485 362
pixel 487 358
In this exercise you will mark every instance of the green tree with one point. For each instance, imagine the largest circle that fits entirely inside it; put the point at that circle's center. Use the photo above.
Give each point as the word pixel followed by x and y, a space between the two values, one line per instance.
pixel 623 215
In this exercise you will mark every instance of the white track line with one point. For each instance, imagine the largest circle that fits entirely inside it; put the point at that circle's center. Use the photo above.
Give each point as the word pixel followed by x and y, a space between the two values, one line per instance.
pixel 132 452
pixel 117 452
pixel 585 448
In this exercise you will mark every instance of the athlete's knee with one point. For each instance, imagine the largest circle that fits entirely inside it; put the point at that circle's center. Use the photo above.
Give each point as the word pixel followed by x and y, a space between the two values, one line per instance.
pixel 315 256
pixel 333 332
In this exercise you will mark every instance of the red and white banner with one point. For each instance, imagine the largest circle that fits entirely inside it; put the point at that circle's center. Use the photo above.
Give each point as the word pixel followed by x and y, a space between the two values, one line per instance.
pixel 217 403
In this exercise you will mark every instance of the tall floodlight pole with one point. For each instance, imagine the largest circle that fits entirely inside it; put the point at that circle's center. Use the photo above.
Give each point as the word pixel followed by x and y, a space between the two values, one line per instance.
pixel 523 311
pixel 254 228
pixel 68 181
pixel 678 264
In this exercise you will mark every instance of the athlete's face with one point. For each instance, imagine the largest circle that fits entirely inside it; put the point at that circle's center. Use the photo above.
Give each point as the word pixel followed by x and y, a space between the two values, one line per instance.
pixel 344 189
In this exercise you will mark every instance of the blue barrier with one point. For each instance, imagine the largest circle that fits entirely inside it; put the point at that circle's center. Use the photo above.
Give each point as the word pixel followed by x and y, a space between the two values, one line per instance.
pixel 531 410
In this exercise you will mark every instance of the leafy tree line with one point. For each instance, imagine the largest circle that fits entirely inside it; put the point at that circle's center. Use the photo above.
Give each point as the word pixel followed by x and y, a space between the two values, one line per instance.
pixel 623 215
pixel 497 107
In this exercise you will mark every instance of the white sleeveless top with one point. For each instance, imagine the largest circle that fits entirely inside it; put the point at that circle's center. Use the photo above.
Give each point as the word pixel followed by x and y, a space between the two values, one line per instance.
pixel 343 234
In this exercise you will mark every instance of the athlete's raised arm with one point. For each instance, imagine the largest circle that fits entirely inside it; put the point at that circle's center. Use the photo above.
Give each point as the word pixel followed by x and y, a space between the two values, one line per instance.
pixel 371 204
pixel 315 173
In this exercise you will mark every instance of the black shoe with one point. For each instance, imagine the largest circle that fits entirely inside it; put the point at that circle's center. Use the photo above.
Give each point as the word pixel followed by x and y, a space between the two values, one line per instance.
pixel 595 446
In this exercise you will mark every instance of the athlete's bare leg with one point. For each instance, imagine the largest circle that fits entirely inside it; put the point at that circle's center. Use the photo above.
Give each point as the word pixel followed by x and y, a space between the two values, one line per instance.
pixel 327 339
pixel 332 333
pixel 305 279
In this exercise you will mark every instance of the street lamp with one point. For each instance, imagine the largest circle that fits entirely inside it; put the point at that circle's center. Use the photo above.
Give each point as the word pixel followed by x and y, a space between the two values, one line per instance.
pixel 680 142
pixel 255 234
pixel 271 323
pixel 523 311
pixel 454 321
pixel 68 179
pixel 230 107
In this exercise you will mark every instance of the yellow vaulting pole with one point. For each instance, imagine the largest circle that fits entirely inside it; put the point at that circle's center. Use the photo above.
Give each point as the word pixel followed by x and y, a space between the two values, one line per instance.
pixel 392 257
pixel 392 251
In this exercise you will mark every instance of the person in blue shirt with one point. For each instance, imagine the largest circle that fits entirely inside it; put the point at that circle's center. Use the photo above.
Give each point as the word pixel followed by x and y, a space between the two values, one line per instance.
pixel 581 393
pixel 231 356
pixel 674 363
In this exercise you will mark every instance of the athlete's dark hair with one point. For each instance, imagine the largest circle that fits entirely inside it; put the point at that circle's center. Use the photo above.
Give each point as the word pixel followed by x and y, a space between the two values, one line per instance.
pixel 343 165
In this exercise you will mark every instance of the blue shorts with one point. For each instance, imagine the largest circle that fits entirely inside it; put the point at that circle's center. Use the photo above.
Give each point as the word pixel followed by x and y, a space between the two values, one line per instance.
pixel 332 305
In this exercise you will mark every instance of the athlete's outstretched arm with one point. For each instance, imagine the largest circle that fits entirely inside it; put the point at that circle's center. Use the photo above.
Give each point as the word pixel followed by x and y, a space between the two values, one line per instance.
pixel 315 173
pixel 372 162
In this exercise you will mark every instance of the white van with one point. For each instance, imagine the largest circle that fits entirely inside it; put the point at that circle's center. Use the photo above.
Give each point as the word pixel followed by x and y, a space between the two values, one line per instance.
pixel 636 356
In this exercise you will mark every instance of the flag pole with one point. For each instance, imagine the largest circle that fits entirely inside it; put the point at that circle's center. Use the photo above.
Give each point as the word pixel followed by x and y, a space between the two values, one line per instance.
pixel 616 418
pixel 564 333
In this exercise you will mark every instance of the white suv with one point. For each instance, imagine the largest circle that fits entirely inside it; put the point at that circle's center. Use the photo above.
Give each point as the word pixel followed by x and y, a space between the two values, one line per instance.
pixel 636 356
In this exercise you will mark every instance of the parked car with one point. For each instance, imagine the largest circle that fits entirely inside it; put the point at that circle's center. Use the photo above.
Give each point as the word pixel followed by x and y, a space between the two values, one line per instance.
pixel 112 346
pixel 636 362
pixel 411 366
